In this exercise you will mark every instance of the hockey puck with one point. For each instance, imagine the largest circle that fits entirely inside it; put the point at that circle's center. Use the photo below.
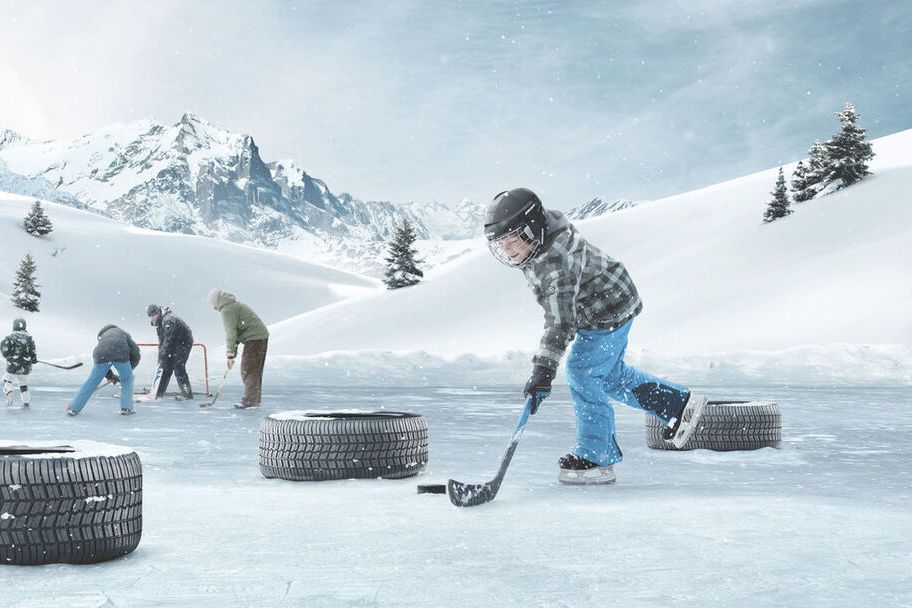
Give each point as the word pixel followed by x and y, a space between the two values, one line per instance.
pixel 432 488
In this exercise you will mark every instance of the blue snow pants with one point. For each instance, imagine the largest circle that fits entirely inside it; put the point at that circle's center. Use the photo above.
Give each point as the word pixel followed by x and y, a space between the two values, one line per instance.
pixel 596 373
pixel 124 370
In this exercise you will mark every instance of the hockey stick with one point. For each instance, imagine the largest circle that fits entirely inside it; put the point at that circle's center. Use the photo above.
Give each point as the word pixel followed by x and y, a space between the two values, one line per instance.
pixel 218 391
pixel 74 366
pixel 473 494
pixel 101 386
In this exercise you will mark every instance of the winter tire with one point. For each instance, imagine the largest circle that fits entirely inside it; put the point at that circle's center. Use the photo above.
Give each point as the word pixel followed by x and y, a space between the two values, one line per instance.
pixel 316 446
pixel 79 503
pixel 726 426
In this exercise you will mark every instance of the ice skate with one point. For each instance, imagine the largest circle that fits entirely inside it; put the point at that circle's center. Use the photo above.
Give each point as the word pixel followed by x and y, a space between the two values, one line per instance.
pixel 575 470
pixel 689 421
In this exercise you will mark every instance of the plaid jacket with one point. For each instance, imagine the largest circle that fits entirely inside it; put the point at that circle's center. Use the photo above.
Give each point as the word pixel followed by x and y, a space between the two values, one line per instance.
pixel 579 287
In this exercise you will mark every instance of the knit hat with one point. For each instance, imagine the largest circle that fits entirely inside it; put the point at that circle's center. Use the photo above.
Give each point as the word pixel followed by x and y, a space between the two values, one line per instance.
pixel 153 309
pixel 19 325
pixel 213 297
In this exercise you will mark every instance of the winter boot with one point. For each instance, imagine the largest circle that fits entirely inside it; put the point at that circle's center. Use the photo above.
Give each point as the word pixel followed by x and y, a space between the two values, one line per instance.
pixel 576 470
pixel 244 405
pixel 186 393
pixel 126 411
pixel 70 412
pixel 688 422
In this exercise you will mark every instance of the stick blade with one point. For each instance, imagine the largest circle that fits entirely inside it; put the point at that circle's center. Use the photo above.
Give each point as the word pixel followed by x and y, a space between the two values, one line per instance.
pixel 470 494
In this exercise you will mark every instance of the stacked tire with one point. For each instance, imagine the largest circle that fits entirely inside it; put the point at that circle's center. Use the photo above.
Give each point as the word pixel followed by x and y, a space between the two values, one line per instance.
pixel 79 503
pixel 318 446
pixel 727 426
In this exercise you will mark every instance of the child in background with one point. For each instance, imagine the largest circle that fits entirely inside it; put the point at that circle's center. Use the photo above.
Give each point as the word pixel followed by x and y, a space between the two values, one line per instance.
pixel 18 349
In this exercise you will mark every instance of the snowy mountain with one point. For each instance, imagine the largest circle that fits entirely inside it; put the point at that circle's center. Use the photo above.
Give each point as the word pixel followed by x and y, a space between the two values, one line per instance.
pixel 193 177
pixel 826 291
pixel 598 206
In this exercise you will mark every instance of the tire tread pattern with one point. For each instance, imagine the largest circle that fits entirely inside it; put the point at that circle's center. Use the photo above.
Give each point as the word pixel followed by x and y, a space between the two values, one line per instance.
pixel 387 445
pixel 726 427
pixel 69 510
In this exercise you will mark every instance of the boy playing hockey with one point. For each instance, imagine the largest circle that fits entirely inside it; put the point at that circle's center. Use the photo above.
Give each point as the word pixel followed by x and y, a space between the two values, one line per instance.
pixel 18 349
pixel 587 295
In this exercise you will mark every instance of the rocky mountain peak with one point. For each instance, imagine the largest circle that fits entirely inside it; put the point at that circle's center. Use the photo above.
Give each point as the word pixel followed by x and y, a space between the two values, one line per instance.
pixel 195 177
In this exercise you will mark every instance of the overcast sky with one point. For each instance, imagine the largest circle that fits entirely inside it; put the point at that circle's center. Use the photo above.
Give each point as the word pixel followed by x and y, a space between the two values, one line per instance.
pixel 449 100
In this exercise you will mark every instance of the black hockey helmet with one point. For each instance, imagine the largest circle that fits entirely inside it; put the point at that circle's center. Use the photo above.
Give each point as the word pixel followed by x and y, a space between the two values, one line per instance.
pixel 19 325
pixel 515 226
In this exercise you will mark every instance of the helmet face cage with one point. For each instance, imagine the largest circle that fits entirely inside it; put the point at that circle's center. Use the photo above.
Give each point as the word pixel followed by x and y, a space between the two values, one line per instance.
pixel 516 247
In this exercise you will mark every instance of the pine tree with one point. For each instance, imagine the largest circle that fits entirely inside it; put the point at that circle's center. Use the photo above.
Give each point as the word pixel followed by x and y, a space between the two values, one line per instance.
pixel 402 267
pixel 25 291
pixel 799 180
pixel 37 223
pixel 814 175
pixel 848 151
pixel 779 206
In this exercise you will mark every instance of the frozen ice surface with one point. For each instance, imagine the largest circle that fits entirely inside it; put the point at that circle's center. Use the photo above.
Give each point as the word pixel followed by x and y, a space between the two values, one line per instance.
pixel 822 521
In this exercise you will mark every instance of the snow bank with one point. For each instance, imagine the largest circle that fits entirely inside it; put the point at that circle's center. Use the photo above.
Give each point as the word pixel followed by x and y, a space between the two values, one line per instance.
pixel 843 365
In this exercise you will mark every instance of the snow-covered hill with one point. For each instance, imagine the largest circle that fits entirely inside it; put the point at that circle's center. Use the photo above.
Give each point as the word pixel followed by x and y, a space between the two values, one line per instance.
pixel 713 278
pixel 93 270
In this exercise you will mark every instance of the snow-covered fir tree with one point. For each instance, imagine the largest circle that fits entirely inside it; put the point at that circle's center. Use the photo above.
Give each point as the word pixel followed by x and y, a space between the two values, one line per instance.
pixel 848 151
pixel 812 178
pixel 25 290
pixel 402 266
pixel 799 180
pixel 836 164
pixel 37 223
pixel 779 206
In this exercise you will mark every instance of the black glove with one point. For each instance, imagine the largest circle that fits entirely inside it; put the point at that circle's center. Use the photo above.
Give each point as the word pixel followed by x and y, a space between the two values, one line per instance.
pixel 539 385
pixel 112 377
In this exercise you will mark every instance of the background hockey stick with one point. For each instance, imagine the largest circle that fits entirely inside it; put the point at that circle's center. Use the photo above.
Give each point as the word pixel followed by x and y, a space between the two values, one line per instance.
pixel 74 366
pixel 218 391
pixel 470 495
pixel 101 386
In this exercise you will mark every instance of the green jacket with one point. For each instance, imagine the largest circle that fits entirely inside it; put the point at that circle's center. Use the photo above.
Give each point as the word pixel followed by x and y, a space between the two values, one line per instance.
pixel 241 323
pixel 18 349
